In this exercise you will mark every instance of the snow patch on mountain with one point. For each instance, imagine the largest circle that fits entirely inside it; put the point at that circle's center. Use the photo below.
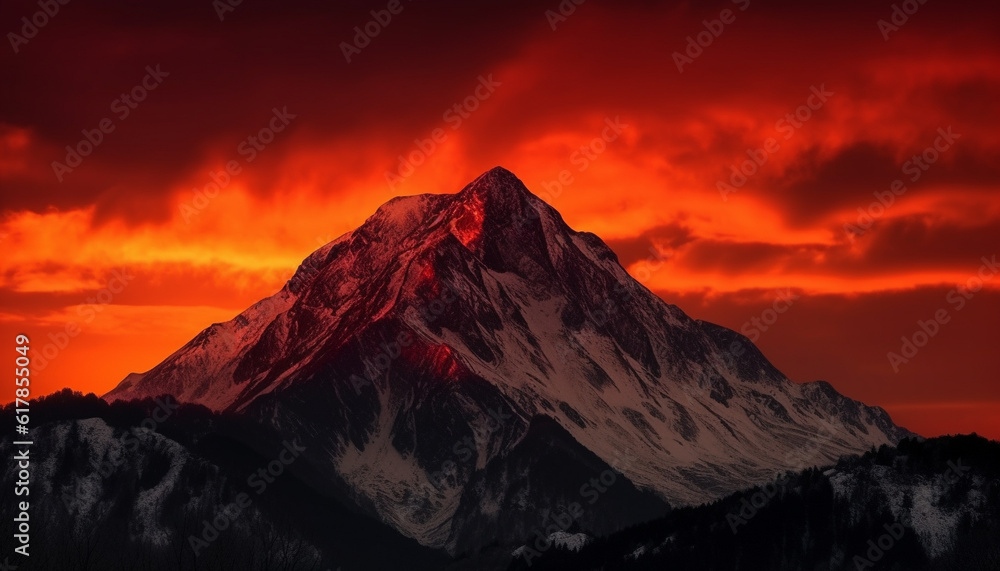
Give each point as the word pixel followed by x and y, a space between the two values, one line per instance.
pixel 920 505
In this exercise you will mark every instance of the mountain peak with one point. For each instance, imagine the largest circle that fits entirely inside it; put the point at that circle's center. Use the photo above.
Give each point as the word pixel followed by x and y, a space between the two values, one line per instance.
pixel 443 310
pixel 487 206
pixel 497 182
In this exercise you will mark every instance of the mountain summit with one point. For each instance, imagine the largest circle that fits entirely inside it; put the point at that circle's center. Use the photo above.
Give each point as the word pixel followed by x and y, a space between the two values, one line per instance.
pixel 499 183
pixel 461 363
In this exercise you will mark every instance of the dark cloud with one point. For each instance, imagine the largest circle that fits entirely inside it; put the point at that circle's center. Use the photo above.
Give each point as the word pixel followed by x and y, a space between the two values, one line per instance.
pixel 917 243
pixel 817 186
pixel 224 79
pixel 910 244
pixel 669 237
pixel 845 340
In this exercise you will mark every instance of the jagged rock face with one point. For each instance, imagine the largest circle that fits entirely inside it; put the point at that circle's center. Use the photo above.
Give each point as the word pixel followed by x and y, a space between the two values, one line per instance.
pixel 415 352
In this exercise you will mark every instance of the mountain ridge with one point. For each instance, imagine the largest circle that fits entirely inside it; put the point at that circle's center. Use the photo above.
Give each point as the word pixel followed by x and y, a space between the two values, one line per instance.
pixel 395 340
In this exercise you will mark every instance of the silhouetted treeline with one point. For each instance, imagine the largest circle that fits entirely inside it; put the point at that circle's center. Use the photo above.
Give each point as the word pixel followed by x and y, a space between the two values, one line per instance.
pixel 178 467
pixel 805 525
pixel 191 462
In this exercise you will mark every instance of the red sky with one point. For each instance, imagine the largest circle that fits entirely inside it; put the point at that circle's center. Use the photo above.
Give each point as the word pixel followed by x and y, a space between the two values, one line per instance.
pixel 186 261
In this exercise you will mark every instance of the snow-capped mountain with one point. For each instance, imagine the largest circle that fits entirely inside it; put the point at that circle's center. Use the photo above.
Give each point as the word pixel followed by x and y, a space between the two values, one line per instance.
pixel 462 363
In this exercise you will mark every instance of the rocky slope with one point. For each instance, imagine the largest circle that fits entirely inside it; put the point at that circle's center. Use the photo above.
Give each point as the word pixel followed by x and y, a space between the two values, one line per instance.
pixel 421 356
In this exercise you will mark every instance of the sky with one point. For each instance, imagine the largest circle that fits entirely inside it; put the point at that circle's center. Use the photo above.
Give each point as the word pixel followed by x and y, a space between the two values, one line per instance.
pixel 822 178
